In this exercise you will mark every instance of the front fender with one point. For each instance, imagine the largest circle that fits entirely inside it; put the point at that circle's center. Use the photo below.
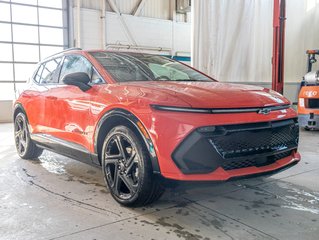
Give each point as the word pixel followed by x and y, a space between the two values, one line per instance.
pixel 105 121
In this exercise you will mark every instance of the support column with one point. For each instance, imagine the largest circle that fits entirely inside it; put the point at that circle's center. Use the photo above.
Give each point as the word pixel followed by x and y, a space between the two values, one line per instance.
pixel 103 25
pixel 279 19
pixel 78 23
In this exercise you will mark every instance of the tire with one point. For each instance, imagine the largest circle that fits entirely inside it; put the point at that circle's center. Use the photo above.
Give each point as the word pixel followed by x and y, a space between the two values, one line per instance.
pixel 307 129
pixel 127 169
pixel 26 148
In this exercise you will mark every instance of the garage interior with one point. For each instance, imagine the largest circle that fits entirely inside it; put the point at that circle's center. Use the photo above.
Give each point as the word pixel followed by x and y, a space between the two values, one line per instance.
pixel 56 197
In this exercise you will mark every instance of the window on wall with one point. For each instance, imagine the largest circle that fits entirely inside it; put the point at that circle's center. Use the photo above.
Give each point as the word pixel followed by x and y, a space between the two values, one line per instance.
pixel 30 30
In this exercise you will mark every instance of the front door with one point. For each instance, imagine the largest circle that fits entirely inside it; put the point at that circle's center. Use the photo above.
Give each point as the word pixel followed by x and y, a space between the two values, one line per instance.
pixel 70 119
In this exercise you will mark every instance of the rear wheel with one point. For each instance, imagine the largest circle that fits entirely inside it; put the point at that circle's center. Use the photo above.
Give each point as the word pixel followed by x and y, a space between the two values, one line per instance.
pixel 24 145
pixel 127 169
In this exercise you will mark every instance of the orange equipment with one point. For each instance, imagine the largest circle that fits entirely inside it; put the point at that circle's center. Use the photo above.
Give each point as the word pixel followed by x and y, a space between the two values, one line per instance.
pixel 308 103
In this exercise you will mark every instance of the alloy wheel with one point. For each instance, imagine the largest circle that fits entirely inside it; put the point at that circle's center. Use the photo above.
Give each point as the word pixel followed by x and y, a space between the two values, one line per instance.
pixel 122 166
pixel 20 134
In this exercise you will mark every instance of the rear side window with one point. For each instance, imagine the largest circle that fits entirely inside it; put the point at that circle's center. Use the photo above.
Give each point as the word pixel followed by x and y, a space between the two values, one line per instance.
pixel 37 76
pixel 48 72
pixel 74 64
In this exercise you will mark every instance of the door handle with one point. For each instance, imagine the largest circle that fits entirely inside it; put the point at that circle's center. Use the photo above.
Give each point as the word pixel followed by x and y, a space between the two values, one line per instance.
pixel 52 98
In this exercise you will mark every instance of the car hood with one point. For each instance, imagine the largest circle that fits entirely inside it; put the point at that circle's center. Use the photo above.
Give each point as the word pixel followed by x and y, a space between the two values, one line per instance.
pixel 213 94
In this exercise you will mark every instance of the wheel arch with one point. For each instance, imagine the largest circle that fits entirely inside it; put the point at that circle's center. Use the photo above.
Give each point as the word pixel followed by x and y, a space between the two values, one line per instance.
pixel 117 117
pixel 17 109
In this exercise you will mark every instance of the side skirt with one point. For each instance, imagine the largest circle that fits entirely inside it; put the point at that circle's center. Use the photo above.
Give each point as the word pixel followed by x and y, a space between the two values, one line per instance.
pixel 65 148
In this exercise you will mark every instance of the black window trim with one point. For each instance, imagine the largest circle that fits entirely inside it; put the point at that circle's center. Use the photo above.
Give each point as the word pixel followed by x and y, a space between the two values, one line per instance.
pixel 35 72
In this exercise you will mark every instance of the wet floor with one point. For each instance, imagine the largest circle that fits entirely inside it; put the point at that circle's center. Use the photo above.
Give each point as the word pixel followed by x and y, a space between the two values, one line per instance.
pixel 59 198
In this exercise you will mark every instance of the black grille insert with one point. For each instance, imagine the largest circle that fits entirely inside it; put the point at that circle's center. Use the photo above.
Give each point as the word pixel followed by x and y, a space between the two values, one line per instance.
pixel 256 162
pixel 236 146
pixel 267 138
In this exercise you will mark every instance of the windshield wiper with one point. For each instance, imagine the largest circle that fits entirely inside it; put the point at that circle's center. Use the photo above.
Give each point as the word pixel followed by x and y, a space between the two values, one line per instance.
pixel 191 80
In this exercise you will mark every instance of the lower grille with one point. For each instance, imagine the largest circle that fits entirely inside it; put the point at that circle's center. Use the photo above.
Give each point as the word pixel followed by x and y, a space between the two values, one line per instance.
pixel 236 146
pixel 262 138
pixel 231 165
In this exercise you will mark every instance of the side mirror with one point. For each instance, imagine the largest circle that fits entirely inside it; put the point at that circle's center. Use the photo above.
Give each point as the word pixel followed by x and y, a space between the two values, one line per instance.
pixel 79 79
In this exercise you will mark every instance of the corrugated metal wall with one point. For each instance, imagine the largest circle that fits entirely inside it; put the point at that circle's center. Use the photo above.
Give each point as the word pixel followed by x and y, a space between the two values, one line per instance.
pixel 123 6
pixel 157 9
pixel 90 4
pixel 153 8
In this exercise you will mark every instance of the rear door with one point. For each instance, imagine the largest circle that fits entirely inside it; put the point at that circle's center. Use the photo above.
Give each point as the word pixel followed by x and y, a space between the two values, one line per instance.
pixel 37 104
pixel 47 79
pixel 33 101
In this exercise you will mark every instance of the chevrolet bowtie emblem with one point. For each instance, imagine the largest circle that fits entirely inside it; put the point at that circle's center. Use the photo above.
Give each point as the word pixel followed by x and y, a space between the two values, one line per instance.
pixel 264 111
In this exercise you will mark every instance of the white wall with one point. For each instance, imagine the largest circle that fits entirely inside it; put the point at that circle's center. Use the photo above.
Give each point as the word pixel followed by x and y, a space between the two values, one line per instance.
pixel 6 111
pixel 145 31
pixel 152 8
pixel 161 9
pixel 149 32
pixel 90 31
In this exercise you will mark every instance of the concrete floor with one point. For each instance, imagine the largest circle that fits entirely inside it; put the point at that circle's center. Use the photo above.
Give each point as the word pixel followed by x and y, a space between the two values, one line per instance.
pixel 59 198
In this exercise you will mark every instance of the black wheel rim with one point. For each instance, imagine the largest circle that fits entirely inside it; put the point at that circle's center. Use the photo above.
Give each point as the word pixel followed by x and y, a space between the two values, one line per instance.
pixel 20 135
pixel 121 166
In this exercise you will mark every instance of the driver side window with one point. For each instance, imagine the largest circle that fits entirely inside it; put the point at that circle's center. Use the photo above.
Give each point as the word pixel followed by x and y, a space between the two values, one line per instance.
pixel 72 64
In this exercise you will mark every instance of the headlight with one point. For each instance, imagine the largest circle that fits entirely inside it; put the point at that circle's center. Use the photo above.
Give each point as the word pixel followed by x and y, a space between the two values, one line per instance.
pixel 264 110
pixel 181 109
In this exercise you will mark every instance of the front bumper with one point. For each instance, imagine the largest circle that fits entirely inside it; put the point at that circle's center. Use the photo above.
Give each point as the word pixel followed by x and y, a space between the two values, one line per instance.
pixel 236 146
pixel 310 120
pixel 186 154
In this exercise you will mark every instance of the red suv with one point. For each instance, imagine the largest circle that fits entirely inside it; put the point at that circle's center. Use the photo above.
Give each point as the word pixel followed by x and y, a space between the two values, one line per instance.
pixel 141 116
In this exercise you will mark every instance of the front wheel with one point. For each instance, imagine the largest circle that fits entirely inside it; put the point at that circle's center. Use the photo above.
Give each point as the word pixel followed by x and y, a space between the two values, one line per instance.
pixel 127 168
pixel 24 145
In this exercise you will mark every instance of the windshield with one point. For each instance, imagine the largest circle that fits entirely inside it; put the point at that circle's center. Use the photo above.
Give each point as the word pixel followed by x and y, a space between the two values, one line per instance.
pixel 127 67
